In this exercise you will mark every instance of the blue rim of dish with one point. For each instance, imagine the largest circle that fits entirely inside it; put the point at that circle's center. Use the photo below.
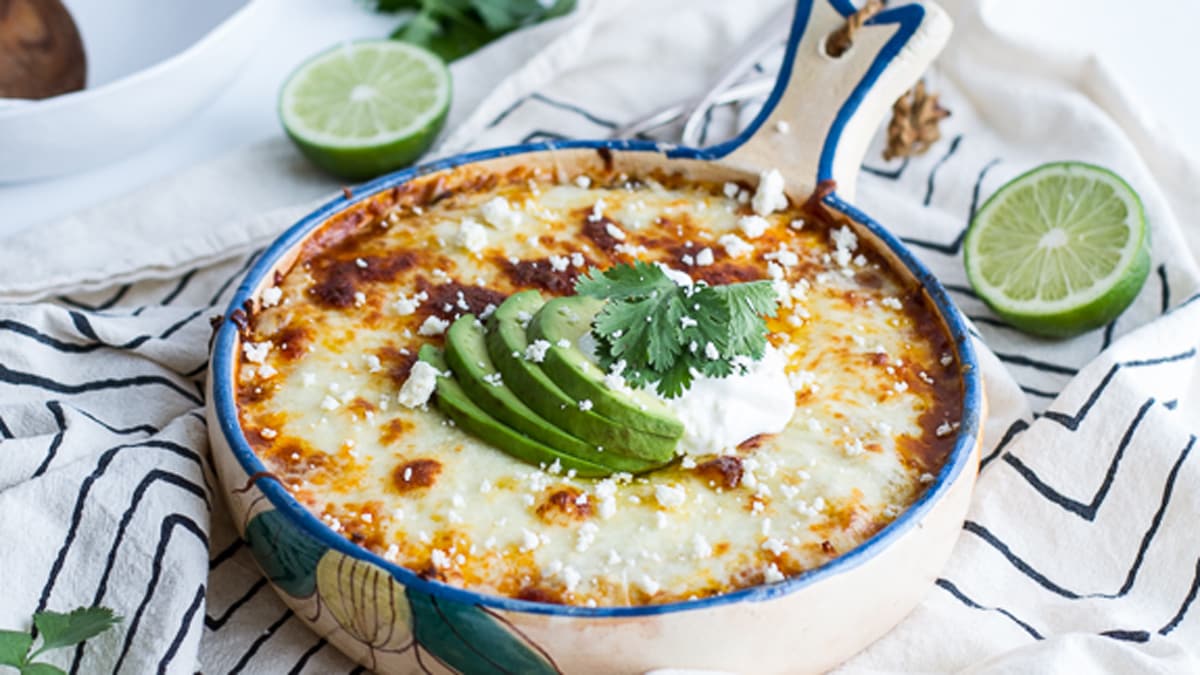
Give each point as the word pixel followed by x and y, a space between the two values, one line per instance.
pixel 224 355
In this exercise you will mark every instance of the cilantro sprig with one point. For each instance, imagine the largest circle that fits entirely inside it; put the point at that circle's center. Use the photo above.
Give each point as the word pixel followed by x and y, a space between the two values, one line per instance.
pixel 666 333
pixel 56 631
pixel 454 28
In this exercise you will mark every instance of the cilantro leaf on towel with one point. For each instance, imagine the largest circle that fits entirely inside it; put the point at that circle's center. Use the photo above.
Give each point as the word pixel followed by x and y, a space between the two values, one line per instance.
pixel 56 631
pixel 454 28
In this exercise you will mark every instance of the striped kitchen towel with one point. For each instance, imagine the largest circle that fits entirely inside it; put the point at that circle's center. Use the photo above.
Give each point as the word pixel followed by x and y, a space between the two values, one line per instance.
pixel 1079 553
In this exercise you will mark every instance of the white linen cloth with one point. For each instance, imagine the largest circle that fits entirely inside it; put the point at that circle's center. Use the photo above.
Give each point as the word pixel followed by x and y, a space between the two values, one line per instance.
pixel 1080 553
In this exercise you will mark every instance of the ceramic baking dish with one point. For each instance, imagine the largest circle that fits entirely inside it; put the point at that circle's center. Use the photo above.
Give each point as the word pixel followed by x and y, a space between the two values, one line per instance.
pixel 392 620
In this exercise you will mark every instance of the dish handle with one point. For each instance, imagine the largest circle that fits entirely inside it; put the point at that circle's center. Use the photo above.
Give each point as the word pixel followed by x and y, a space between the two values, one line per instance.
pixel 824 109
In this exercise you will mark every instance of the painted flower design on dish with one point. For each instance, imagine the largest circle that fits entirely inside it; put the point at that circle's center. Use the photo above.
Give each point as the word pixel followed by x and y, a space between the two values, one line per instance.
pixel 287 557
pixel 399 627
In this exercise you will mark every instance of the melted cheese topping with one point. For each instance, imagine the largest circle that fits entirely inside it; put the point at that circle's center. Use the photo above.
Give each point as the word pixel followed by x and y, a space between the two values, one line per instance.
pixel 326 380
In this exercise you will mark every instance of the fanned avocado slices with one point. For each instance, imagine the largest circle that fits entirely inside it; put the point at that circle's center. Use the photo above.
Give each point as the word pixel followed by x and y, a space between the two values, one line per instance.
pixel 467 354
pixel 454 402
pixel 569 318
pixel 507 343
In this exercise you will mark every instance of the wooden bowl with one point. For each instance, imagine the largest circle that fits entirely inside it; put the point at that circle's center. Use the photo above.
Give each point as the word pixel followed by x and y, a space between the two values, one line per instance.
pixel 41 54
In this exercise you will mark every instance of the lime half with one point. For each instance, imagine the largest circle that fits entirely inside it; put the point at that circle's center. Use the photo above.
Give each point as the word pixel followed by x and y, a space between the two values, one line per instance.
pixel 1059 250
pixel 366 108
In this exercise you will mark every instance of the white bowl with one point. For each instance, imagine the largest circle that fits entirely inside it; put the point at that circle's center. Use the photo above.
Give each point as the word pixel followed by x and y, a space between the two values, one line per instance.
pixel 151 64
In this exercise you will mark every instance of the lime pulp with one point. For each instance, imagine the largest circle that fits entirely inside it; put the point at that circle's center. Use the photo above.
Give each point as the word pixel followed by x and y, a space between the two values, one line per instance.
pixel 1059 250
pixel 365 108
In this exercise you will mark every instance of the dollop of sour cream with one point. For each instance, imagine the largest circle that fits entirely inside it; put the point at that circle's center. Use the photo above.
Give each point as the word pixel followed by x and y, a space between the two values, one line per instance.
pixel 720 413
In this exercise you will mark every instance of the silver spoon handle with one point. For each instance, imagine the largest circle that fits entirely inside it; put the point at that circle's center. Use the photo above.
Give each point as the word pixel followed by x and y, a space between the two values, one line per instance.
pixel 664 116
pixel 766 37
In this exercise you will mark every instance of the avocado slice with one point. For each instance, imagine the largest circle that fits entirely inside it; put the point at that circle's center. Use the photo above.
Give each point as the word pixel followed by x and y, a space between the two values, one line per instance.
pixel 506 342
pixel 467 354
pixel 454 402
pixel 568 318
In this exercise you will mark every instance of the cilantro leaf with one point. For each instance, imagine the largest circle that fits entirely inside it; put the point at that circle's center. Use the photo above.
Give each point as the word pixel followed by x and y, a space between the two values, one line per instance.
pixel 63 630
pixel 648 326
pixel 448 37
pixel 622 282
pixel 644 322
pixel 41 669
pixel 675 380
pixel 504 16
pixel 455 28
pixel 706 306
pixel 746 303
pixel 559 8
pixel 14 645
pixel 668 334
pixel 387 6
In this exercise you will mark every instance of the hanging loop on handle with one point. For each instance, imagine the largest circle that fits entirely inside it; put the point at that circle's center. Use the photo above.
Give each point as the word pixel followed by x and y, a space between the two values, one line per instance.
pixel 825 108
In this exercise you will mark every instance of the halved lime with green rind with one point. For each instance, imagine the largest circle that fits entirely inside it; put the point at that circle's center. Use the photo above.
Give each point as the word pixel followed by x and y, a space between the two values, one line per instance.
pixel 1059 250
pixel 365 108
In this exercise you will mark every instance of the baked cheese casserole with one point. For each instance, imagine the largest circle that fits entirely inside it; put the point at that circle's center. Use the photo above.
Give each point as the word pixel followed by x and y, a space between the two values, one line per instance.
pixel 777 468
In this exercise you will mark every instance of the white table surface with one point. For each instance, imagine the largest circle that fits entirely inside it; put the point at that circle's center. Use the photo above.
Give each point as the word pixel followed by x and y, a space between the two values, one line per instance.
pixel 1151 44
